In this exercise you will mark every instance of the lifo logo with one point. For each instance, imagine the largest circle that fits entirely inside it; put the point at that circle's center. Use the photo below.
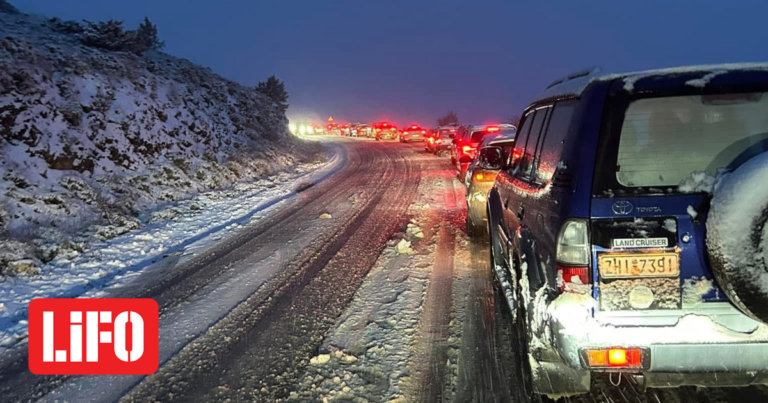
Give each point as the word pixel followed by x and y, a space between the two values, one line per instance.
pixel 93 336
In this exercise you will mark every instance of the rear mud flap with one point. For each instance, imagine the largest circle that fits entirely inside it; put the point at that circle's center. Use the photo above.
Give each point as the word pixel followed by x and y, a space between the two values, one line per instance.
pixel 556 379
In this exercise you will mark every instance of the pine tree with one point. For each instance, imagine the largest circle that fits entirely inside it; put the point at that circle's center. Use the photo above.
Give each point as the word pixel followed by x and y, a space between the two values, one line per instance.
pixel 146 36
pixel 275 89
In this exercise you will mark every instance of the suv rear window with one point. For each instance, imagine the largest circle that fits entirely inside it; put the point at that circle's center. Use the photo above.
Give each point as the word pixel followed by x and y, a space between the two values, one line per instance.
pixel 664 140
pixel 478 136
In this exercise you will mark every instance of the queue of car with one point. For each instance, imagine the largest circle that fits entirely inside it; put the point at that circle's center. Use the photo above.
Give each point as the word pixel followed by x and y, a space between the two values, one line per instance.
pixel 609 250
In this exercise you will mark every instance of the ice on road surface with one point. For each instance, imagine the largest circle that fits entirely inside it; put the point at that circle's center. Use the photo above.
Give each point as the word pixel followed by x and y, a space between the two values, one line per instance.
pixel 115 262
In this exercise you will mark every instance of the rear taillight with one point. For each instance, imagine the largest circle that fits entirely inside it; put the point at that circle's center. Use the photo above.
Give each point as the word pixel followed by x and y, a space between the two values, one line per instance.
pixel 431 140
pixel 516 154
pixel 405 133
pixel 493 129
pixel 467 149
pixel 615 358
pixel 573 255
pixel 572 275
pixel 392 129
pixel 423 132
pixel 484 177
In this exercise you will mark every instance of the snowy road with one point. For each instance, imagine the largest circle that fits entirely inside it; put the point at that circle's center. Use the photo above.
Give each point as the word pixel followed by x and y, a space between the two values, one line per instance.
pixel 363 287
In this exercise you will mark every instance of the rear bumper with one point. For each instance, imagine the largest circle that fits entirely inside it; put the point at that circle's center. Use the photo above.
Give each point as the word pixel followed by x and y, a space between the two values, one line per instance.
pixel 686 352
pixel 476 202
pixel 440 147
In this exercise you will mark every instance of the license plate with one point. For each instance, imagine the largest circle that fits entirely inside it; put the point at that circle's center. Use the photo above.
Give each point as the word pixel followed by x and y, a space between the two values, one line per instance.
pixel 639 265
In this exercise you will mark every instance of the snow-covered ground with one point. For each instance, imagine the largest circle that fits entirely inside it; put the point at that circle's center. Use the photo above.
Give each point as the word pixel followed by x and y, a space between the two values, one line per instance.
pixel 180 230
pixel 92 140
pixel 372 353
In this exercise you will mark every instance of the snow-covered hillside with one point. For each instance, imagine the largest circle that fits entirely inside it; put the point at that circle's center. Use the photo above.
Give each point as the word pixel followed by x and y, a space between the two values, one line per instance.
pixel 93 141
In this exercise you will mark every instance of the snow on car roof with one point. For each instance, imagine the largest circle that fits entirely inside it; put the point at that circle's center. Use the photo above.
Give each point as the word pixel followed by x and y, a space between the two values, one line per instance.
pixel 574 84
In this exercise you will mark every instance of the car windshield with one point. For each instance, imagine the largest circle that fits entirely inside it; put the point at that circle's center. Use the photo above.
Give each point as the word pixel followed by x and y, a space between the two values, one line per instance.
pixel 664 140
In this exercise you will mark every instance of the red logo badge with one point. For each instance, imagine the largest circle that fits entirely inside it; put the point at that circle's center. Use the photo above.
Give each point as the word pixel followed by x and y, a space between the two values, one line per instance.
pixel 93 336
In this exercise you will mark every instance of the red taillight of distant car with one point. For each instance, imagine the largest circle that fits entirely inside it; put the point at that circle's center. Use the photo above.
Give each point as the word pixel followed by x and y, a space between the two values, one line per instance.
pixel 423 132
pixel 467 149
pixel 392 129
pixel 493 129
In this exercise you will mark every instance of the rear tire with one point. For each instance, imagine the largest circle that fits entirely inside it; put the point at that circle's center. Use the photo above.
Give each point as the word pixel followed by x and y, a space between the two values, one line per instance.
pixel 522 373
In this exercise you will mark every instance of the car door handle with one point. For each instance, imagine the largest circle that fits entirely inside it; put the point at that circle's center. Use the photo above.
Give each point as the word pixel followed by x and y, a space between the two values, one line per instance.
pixel 520 212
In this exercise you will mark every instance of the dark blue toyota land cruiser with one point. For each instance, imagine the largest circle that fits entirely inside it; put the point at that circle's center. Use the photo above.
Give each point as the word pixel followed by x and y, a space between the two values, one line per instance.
pixel 628 229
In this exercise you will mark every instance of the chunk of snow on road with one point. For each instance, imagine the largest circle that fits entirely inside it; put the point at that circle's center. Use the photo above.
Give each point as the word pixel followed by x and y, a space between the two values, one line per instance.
pixel 692 212
pixel 404 248
pixel 325 216
pixel 321 359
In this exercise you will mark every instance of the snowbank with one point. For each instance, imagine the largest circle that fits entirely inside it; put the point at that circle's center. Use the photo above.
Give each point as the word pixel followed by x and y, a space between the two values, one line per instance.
pixel 92 142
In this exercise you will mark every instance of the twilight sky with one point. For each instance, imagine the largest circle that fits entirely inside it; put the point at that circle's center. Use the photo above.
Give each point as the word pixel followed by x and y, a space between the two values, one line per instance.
pixel 410 61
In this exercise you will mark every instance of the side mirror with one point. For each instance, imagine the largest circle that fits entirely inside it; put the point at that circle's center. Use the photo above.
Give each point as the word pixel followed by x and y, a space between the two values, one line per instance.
pixel 491 158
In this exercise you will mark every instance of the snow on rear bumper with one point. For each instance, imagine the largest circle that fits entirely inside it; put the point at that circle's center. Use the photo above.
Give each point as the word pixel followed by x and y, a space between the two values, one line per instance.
pixel 693 343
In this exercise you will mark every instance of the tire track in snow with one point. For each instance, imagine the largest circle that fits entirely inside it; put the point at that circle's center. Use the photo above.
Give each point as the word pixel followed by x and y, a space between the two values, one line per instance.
pixel 275 347
pixel 430 365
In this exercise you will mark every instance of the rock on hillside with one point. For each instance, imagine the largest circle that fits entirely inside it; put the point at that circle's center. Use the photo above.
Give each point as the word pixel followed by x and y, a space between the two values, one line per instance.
pixel 89 136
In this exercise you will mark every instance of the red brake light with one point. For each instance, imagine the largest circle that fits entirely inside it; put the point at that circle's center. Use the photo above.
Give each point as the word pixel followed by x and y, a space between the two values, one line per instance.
pixel 414 127
pixel 467 149
pixel 493 129
pixel 572 275
pixel 405 132
pixel 392 129
pixel 431 140
pixel 423 132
